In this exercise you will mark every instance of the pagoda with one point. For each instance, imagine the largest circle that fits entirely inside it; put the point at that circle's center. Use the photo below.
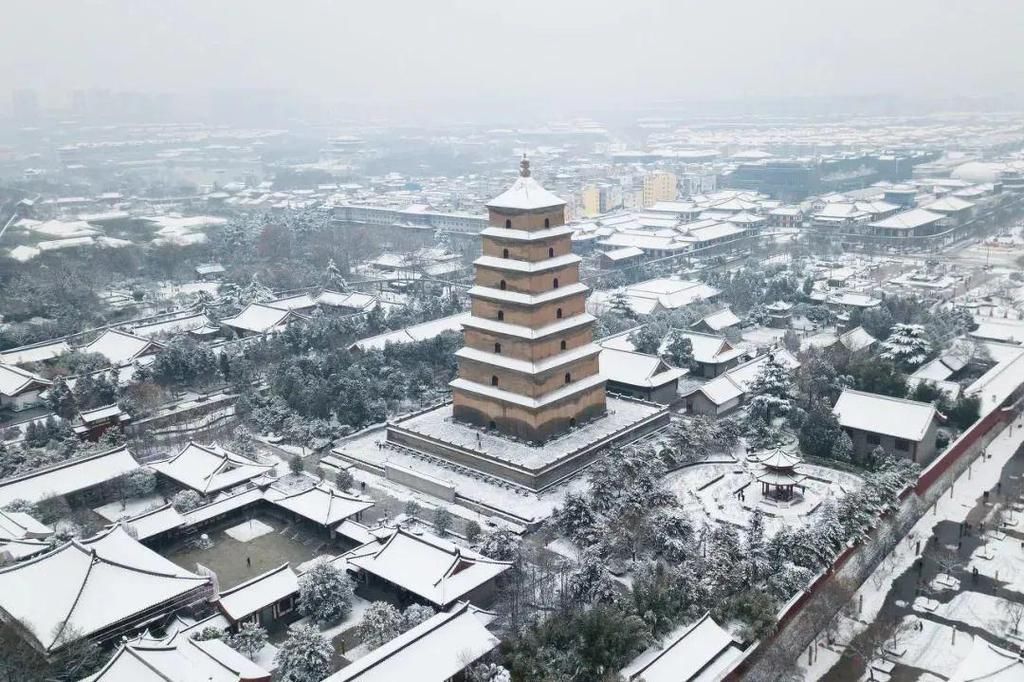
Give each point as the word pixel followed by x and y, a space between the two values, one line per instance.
pixel 529 367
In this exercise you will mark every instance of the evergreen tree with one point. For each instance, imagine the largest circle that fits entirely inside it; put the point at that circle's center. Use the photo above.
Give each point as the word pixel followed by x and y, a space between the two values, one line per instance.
pixel 325 593
pixel 770 390
pixel 907 346
pixel 819 431
pixel 305 656
pixel 442 520
pixel 249 640
pixel 679 350
pixel 382 622
pixel 61 400
pixel 646 339
pixel 415 614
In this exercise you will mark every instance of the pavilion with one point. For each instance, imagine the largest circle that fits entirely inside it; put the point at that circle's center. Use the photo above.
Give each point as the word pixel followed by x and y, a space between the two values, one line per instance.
pixel 779 475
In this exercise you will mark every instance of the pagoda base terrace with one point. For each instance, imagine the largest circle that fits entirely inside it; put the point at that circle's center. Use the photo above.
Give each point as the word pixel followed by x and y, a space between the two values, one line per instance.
pixel 436 433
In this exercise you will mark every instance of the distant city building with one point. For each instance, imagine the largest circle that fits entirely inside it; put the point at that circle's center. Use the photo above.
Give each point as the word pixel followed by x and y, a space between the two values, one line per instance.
pixel 660 186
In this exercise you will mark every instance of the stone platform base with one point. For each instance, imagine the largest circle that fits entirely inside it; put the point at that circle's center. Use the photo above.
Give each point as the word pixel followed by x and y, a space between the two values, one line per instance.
pixel 435 433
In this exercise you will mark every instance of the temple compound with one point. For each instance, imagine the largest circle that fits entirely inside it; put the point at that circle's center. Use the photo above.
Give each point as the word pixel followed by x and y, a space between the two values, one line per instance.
pixel 529 402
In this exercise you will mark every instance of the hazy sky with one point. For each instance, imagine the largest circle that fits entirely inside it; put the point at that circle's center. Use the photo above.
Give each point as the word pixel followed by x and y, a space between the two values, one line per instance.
pixel 452 53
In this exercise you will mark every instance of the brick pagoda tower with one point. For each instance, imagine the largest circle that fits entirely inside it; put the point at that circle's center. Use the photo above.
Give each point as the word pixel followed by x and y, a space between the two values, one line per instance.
pixel 529 368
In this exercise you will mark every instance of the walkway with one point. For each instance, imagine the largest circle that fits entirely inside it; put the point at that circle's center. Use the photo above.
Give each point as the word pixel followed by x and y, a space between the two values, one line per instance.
pixel 937 536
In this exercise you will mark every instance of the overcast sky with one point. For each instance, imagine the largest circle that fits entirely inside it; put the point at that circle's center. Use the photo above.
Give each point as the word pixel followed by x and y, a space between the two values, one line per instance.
pixel 570 53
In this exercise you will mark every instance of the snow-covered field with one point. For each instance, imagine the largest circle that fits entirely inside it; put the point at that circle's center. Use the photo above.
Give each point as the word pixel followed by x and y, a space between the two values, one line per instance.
pixel 113 511
pixel 249 530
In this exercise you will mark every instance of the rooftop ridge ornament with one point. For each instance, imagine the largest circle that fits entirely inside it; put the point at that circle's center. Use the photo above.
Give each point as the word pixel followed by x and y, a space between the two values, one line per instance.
pixel 524 167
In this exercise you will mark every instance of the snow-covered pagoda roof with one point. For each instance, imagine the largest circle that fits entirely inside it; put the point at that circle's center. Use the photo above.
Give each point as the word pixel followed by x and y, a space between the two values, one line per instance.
pixel 426 565
pixel 68 477
pixel 780 460
pixel 701 651
pixel 434 651
pixel 176 659
pixel 209 469
pixel 637 369
pixel 89 586
pixel 896 417
pixel 525 194
pixel 245 599
pixel 319 503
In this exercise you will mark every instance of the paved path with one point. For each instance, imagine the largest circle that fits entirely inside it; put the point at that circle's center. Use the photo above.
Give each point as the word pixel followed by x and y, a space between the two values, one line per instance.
pixel 888 593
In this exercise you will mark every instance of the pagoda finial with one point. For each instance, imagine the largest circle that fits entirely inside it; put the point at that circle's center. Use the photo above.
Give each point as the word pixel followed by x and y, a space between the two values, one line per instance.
pixel 524 167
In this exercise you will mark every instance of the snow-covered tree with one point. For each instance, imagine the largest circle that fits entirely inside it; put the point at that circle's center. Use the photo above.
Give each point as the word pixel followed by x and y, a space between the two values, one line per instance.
pixel 325 593
pixel 620 305
pixel 254 292
pixel 489 672
pixel 646 339
pixel 500 544
pixel 907 346
pixel 139 482
pixel 771 390
pixel 442 520
pixel 305 656
pixel 249 640
pixel 669 534
pixel 819 431
pixel 577 519
pixel 333 279
pixel 382 622
pixel 415 614
pixel 679 350
pixel 693 437
pixel 186 500
pixel 827 528
pixel 842 447
pixel 590 582
pixel 344 479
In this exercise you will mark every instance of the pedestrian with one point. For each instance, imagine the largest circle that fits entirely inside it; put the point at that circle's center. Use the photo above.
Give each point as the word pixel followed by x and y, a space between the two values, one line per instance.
pixel 248 562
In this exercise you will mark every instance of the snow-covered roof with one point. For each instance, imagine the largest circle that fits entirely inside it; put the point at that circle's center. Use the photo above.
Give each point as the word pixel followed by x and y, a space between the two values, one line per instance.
pixel 526 235
pixel 523 332
pixel 637 369
pixel 736 382
pixel 426 565
pixel 19 525
pixel 121 348
pixel 527 366
pixel 68 477
pixel 857 339
pixel 155 521
pixel 701 652
pixel 178 325
pixel 896 417
pixel 210 269
pixel 710 349
pixel 38 352
pixel 178 659
pixel 908 220
pixel 209 469
pixel 13 549
pixel 90 585
pixel 247 598
pixel 434 651
pixel 319 503
pixel 15 380
pixel 223 504
pixel 298 302
pixel 997 384
pixel 624 253
pixel 531 267
pixel 721 390
pixel 100 414
pixel 933 370
pixel 417 332
pixel 514 297
pixel 525 194
pixel 501 394
pixel 355 300
pixel 720 320
pixel 949 204
pixel 261 318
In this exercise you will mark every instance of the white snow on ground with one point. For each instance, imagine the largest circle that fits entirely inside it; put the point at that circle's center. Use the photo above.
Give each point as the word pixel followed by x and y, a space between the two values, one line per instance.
pixel 188 289
pixel 933 648
pixel 353 619
pixel 132 506
pixel 250 530
pixel 563 547
pixel 265 657
pixel 982 475
pixel 719 502
pixel 983 611
pixel 1006 558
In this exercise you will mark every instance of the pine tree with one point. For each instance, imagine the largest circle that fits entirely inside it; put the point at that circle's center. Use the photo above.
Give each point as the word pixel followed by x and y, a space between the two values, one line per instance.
pixel 770 391
pixel 907 346
pixel 442 520
pixel 305 656
pixel 325 593
pixel 679 350
pixel 382 622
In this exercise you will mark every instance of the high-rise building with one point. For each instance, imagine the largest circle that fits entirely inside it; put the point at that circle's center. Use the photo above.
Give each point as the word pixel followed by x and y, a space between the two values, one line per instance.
pixel 529 368
pixel 660 186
